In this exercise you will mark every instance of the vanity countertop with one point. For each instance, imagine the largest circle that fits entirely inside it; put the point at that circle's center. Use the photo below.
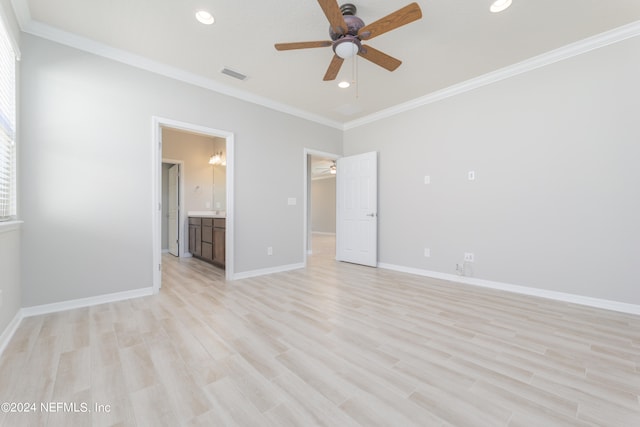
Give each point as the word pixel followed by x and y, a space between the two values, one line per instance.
pixel 207 214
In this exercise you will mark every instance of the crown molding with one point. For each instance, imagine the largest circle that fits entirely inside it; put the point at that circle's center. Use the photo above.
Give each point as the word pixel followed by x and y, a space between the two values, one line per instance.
pixel 82 43
pixel 30 26
pixel 574 49
pixel 21 10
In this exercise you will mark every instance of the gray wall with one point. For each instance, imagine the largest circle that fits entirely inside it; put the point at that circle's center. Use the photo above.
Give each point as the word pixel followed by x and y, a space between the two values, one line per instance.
pixel 9 236
pixel 87 175
pixel 323 205
pixel 556 200
pixel 10 275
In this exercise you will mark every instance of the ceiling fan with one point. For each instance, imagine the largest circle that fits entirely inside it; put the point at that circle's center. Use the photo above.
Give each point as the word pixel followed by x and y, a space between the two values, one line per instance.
pixel 347 32
pixel 325 167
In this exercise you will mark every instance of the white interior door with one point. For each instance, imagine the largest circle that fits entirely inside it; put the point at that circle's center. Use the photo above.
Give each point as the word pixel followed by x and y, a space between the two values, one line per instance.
pixel 357 209
pixel 174 209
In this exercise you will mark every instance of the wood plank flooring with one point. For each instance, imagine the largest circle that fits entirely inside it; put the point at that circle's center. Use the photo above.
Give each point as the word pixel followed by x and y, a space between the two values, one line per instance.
pixel 331 345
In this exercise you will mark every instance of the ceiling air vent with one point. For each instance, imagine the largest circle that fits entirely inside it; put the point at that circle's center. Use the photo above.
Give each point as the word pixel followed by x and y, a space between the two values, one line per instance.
pixel 234 74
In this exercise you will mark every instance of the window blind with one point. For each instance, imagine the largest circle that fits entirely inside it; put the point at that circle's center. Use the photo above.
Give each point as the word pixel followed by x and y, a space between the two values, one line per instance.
pixel 7 126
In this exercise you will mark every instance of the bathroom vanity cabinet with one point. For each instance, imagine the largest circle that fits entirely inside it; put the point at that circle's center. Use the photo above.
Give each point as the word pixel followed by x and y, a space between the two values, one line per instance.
pixel 207 239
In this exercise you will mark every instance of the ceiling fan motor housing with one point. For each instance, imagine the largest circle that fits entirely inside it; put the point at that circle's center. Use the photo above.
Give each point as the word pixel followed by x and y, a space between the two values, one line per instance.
pixel 353 26
pixel 350 39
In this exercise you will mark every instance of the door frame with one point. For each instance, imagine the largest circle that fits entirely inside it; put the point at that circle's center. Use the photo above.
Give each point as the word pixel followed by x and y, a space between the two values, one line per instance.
pixel 306 231
pixel 182 250
pixel 157 123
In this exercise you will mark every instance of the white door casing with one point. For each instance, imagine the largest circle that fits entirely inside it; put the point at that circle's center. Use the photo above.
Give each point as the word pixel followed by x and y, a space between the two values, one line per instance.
pixel 357 209
pixel 173 208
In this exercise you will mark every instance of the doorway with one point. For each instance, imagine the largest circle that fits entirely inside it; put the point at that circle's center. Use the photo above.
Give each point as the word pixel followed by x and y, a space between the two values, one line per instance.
pixel 172 192
pixel 158 124
pixel 320 203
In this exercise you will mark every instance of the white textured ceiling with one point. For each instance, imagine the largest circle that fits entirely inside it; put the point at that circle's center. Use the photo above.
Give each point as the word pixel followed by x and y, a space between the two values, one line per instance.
pixel 456 40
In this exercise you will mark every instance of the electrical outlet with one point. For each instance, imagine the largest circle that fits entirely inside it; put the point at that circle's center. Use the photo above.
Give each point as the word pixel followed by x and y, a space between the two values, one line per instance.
pixel 291 201
pixel 427 252
pixel 468 257
pixel 269 250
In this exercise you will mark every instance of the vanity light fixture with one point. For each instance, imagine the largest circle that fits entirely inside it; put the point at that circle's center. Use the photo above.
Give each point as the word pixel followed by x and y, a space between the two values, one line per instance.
pixel 204 17
pixel 217 159
pixel 499 5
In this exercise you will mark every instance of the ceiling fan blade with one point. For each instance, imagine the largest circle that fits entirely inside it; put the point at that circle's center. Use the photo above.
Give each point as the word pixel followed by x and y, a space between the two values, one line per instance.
pixel 301 45
pixel 334 67
pixel 390 22
pixel 379 58
pixel 334 15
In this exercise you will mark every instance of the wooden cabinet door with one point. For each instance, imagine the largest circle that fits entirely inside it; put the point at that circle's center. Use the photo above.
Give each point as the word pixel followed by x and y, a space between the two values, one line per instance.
pixel 195 240
pixel 192 239
pixel 218 246
pixel 207 251
pixel 207 234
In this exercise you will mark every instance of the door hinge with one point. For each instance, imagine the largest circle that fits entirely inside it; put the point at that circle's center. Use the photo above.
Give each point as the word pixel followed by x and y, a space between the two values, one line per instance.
pixel 160 206
pixel 160 267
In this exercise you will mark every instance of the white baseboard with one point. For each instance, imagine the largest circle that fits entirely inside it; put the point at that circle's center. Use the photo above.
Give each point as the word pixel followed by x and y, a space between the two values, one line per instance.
pixel 36 310
pixel 264 271
pixel 542 293
pixel 85 302
pixel 11 329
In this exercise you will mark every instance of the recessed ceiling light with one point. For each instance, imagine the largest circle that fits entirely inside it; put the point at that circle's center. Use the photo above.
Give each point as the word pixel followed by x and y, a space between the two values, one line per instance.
pixel 499 5
pixel 344 85
pixel 205 17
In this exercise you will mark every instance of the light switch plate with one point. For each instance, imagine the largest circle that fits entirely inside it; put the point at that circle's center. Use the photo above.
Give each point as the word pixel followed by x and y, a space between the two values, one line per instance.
pixel 427 179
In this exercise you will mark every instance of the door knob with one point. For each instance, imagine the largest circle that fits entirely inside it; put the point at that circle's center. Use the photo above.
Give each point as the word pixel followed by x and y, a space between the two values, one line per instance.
pixel 372 214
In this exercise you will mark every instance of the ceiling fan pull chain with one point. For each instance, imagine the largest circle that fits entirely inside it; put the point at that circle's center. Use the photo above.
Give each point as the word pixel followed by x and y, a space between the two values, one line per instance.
pixel 355 77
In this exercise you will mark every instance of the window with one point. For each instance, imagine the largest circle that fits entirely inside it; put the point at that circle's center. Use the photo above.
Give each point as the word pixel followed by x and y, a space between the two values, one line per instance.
pixel 7 126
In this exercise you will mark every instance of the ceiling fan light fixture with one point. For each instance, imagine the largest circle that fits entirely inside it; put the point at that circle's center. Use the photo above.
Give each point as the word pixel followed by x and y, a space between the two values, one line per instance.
pixel 499 5
pixel 347 47
pixel 344 84
pixel 204 17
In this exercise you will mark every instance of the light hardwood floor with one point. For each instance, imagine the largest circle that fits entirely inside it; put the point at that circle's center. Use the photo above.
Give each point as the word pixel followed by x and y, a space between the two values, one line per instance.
pixel 334 344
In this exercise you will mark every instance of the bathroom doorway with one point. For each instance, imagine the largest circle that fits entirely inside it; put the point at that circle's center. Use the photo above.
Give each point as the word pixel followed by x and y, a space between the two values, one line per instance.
pixel 159 126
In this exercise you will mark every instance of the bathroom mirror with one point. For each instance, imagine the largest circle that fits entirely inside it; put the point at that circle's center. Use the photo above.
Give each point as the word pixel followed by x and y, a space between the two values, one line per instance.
pixel 220 187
